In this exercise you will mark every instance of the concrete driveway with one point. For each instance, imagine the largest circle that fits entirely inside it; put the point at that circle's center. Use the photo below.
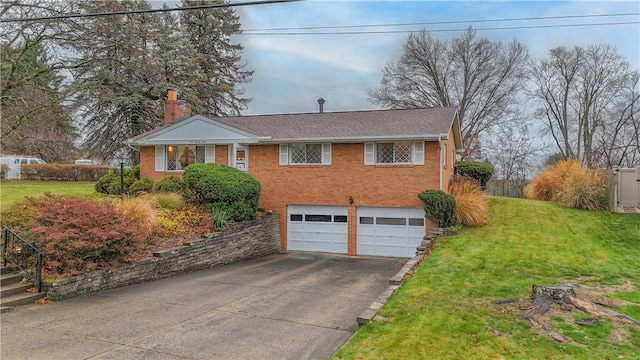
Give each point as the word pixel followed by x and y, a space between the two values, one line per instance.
pixel 286 306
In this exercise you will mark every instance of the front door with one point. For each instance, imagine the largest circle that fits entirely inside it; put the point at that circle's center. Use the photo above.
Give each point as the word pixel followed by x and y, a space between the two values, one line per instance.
pixel 242 158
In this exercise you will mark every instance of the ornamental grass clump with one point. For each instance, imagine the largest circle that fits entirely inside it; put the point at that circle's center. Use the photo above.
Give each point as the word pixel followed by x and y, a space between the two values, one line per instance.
pixel 139 211
pixel 571 184
pixel 471 201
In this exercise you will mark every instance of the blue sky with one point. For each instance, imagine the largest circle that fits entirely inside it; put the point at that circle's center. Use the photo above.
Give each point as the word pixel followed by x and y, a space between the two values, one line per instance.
pixel 293 71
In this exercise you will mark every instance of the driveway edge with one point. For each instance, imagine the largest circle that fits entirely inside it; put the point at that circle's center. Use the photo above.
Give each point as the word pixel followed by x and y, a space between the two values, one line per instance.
pixel 370 314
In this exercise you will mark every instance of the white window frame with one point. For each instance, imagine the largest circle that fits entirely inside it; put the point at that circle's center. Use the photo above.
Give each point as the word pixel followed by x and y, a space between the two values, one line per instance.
pixel 285 154
pixel 417 153
pixel 162 157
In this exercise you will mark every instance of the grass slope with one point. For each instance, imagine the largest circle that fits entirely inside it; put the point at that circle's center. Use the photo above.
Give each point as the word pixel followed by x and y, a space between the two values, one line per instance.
pixel 443 311
pixel 13 190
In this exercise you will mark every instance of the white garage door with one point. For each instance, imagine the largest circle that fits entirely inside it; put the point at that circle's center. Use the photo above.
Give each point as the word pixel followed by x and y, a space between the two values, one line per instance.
pixel 317 228
pixel 393 232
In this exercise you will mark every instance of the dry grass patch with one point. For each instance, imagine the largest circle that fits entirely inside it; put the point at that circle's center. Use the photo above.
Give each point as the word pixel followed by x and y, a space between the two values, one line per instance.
pixel 571 184
pixel 471 201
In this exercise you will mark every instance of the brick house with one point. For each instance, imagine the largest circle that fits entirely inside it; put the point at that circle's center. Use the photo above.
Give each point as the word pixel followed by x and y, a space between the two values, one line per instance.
pixel 343 182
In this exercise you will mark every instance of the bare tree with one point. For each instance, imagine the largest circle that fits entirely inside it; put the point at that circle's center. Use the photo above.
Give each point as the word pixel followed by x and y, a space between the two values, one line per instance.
pixel 513 152
pixel 583 96
pixel 482 78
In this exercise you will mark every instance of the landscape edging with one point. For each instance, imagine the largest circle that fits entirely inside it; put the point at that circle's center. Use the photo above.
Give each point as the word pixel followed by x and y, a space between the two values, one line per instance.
pixel 249 240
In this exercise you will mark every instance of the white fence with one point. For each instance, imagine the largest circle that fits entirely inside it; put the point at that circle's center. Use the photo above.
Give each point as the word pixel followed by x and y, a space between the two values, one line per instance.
pixel 627 187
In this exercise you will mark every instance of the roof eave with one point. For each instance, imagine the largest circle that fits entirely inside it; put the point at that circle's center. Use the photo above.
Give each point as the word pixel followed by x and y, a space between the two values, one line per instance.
pixel 356 139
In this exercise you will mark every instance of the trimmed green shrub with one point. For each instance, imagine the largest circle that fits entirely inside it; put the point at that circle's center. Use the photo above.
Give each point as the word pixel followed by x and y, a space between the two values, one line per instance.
pixel 439 207
pixel 479 171
pixel 142 186
pixel 224 187
pixel 170 184
pixel 110 183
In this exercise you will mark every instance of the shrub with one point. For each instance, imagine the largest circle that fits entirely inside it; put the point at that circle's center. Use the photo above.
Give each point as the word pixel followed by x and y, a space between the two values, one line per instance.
pixel 79 235
pixel 478 171
pixel 142 186
pixel 224 187
pixel 185 221
pixel 63 172
pixel 221 218
pixel 170 184
pixel 471 201
pixel 4 169
pixel 570 184
pixel 110 183
pixel 170 201
pixel 439 207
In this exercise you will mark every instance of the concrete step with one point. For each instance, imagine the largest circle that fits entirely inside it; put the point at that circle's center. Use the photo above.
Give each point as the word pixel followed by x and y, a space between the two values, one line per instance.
pixel 10 278
pixel 13 289
pixel 5 270
pixel 21 299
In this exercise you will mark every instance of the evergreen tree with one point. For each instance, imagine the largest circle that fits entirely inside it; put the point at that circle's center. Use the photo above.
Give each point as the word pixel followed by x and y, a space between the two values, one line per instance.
pixel 210 33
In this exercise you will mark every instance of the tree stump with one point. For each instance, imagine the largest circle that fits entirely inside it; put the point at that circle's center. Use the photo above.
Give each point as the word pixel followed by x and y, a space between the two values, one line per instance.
pixel 544 295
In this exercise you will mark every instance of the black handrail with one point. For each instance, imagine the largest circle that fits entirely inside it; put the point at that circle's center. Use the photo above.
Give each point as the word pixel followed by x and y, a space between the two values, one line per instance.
pixel 21 255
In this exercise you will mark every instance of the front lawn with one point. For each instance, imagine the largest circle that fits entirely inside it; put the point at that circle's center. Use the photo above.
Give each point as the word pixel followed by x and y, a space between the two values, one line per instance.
pixel 444 310
pixel 13 190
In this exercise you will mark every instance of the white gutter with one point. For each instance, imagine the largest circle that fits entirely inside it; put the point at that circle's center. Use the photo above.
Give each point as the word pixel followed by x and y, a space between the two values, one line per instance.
pixel 440 163
pixel 336 140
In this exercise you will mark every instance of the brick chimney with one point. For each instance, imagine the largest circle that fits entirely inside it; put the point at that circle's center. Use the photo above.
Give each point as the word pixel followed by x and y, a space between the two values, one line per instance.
pixel 175 109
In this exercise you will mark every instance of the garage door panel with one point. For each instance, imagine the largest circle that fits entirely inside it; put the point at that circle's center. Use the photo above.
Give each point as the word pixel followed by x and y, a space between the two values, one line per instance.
pixel 317 228
pixel 389 231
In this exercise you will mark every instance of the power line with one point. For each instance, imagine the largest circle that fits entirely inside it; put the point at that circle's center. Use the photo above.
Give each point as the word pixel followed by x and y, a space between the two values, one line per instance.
pixel 438 30
pixel 128 12
pixel 448 22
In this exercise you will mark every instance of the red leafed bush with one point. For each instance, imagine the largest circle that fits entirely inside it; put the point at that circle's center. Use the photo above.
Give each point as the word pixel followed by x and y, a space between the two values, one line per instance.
pixel 80 235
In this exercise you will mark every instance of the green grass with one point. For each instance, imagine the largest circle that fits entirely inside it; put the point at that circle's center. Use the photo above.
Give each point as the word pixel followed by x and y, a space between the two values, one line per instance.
pixel 443 311
pixel 14 190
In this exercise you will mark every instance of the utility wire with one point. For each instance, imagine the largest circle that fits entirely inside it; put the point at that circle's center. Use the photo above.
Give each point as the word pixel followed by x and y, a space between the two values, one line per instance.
pixel 245 33
pixel 127 12
pixel 448 22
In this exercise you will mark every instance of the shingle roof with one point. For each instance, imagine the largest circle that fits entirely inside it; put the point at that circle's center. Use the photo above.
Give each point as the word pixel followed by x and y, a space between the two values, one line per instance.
pixel 427 122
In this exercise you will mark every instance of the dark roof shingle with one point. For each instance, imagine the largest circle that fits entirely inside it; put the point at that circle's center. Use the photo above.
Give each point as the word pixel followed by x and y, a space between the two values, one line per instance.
pixel 348 124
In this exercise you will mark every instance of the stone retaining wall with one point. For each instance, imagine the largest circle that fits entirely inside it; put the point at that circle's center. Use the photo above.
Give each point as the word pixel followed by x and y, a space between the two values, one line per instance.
pixel 249 240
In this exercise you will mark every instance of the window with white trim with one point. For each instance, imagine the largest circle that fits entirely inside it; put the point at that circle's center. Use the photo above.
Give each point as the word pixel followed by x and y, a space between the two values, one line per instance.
pixel 394 153
pixel 177 157
pixel 299 154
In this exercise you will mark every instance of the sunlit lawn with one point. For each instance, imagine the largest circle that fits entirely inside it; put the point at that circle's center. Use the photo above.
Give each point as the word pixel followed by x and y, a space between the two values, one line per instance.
pixel 13 190
pixel 444 310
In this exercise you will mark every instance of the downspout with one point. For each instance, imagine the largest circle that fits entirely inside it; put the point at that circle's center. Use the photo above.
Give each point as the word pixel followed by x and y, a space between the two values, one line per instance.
pixel 440 163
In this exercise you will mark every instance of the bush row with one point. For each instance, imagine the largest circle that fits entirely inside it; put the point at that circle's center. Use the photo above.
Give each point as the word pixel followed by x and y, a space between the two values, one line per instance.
pixel 130 183
pixel 63 172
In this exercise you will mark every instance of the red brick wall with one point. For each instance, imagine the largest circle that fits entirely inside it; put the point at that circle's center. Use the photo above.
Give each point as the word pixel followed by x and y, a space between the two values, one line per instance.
pixel 371 185
pixel 379 185
pixel 148 162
